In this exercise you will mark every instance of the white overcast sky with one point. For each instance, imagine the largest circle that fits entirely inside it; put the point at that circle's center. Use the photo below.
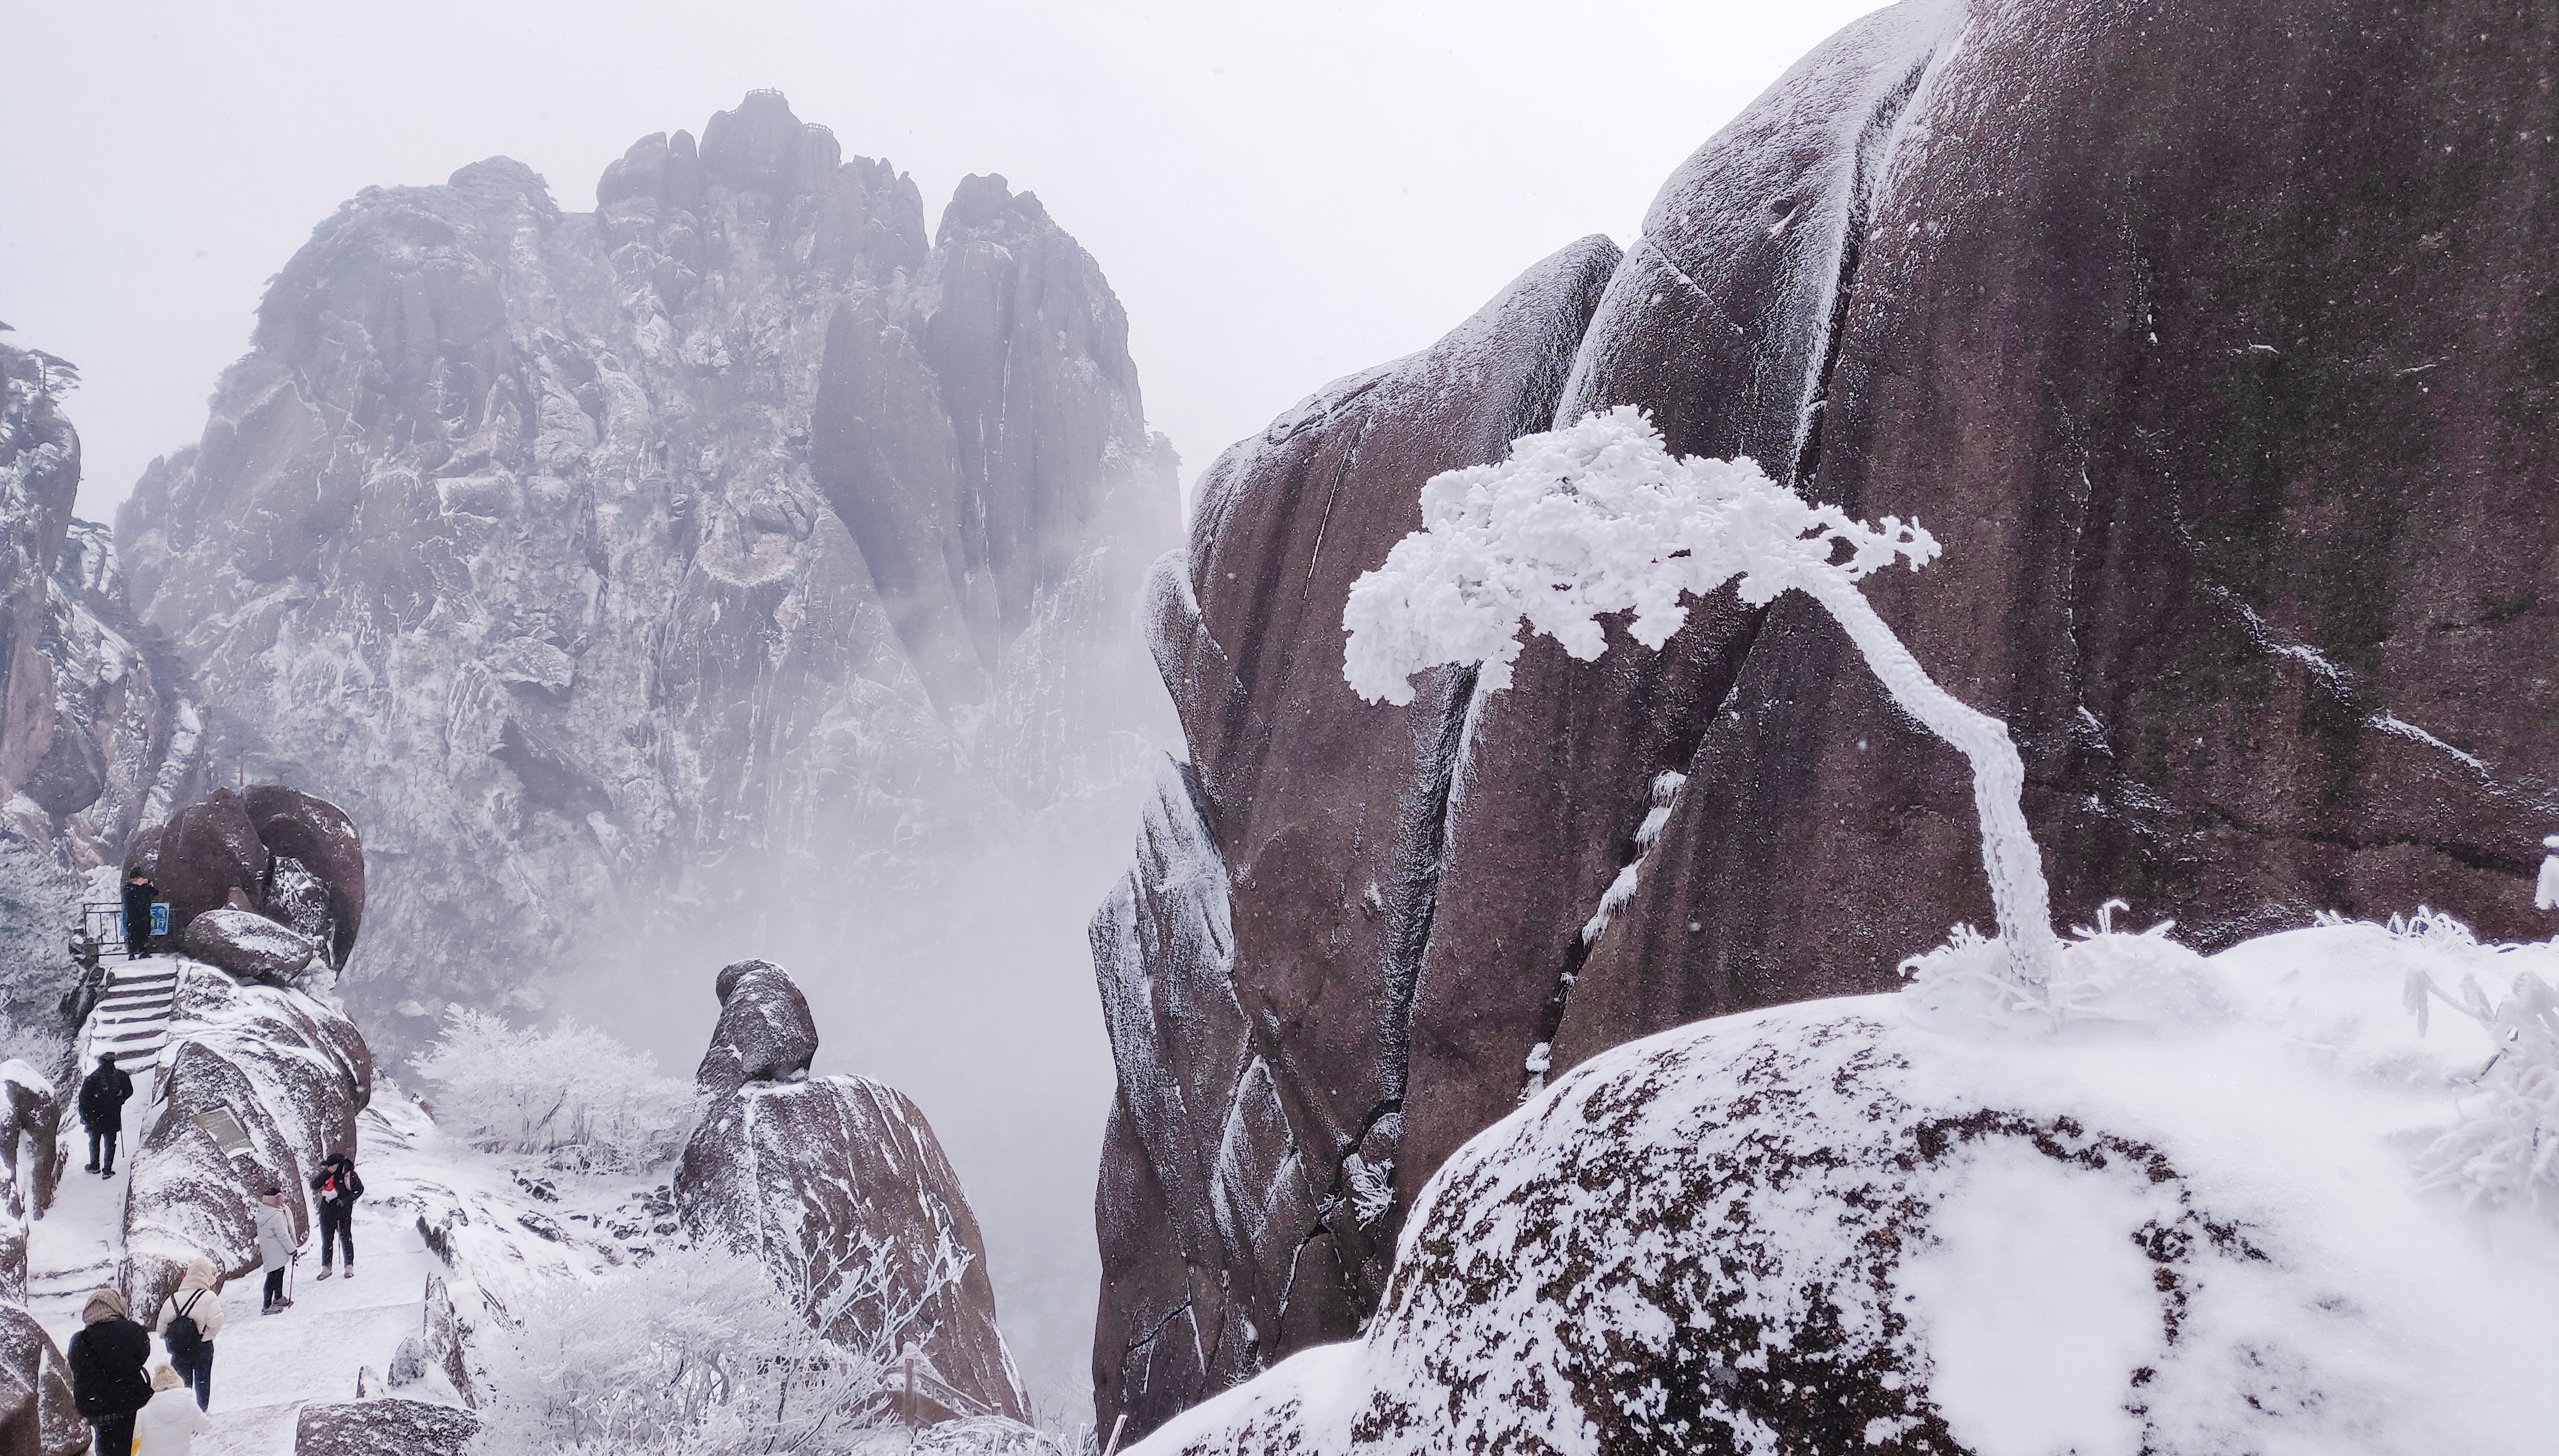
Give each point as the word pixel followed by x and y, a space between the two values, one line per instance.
pixel 1279 193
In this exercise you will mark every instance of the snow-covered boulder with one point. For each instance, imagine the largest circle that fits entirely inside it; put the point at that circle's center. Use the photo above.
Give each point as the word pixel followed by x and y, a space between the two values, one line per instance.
pixel 292 1074
pixel 36 1413
pixel 385 1424
pixel 840 1187
pixel 31 1118
pixel 2194 1219
pixel 249 945
pixel 765 1032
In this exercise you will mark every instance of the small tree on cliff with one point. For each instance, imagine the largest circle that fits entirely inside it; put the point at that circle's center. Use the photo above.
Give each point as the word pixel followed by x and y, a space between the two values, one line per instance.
pixel 1600 518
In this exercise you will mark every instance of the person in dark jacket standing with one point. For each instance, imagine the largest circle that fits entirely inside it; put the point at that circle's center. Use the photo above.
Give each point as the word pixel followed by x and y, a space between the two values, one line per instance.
pixel 101 1109
pixel 108 1383
pixel 337 1188
pixel 139 892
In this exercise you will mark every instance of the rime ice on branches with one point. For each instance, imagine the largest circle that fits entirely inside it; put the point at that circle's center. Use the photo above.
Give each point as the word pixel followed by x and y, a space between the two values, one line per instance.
pixel 1600 518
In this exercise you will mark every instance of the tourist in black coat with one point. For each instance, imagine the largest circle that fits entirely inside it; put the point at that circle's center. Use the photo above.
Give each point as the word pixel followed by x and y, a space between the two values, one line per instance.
pixel 139 892
pixel 106 1360
pixel 335 1188
pixel 102 1107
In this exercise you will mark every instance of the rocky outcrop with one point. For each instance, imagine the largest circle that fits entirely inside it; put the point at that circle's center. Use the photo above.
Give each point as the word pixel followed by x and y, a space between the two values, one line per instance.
pixel 1319 817
pixel 840 1187
pixel 37 1417
pixel 270 851
pixel 289 1072
pixel 735 542
pixel 765 1032
pixel 97 739
pixel 30 1123
pixel 2238 540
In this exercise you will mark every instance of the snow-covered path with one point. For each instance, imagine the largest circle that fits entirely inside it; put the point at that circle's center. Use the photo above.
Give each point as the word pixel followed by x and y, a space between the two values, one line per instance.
pixel 265 1366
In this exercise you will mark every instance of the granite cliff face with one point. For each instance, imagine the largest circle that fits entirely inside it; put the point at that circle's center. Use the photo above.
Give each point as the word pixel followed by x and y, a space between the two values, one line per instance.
pixel 627 570
pixel 2207 339
pixel 97 738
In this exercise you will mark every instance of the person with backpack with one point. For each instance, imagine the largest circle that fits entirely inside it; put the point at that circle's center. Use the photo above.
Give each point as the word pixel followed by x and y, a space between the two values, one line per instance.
pixel 103 1095
pixel 169 1426
pixel 338 1188
pixel 107 1359
pixel 189 1320
pixel 275 1245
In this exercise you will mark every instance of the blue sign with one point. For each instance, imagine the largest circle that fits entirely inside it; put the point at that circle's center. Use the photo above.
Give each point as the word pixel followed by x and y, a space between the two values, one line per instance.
pixel 158 916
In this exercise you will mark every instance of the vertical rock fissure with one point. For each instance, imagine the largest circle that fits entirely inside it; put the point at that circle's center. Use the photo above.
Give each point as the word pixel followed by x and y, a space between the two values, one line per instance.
pixel 1866 162
pixel 1418 858
pixel 1576 954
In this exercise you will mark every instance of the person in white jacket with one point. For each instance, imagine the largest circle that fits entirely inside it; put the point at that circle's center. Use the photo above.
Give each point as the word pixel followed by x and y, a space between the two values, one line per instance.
pixel 198 1299
pixel 169 1426
pixel 275 1245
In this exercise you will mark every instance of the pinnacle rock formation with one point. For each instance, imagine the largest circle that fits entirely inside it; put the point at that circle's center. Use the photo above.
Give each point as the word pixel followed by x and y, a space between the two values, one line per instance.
pixel 2216 390
pixel 840 1186
pixel 737 539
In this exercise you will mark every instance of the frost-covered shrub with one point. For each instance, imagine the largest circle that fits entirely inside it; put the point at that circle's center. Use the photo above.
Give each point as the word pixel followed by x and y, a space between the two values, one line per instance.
pixel 700 1353
pixel 570 1093
pixel 1600 518
pixel 2506 1147
pixel 695 1351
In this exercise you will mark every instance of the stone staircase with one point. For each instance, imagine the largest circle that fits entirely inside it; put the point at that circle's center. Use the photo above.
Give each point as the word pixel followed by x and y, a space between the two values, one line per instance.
pixel 133 1015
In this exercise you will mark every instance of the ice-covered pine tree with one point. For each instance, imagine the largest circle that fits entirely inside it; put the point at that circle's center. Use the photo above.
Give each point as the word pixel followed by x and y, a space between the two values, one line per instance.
pixel 1600 518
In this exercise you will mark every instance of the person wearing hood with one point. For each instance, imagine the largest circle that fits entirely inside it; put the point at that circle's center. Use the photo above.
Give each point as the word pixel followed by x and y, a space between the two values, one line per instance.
pixel 169 1426
pixel 103 1095
pixel 189 1320
pixel 106 1360
pixel 275 1245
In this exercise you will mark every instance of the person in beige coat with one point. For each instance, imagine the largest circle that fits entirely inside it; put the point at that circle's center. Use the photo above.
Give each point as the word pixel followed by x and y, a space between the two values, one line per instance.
pixel 197 1299
pixel 169 1426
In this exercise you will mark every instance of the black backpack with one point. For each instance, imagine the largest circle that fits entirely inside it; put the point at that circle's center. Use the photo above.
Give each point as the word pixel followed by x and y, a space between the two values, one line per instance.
pixel 184 1336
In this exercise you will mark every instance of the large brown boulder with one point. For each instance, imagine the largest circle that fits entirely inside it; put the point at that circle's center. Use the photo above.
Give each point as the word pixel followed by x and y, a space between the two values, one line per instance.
pixel 840 1186
pixel 322 840
pixel 208 850
pixel 2202 338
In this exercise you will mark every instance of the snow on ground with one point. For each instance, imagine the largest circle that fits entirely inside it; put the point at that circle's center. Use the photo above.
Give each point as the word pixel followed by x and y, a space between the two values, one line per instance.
pixel 508 1224
pixel 2208 1212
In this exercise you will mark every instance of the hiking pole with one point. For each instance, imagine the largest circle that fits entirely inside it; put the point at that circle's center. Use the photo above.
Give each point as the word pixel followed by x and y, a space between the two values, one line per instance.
pixel 1117 1427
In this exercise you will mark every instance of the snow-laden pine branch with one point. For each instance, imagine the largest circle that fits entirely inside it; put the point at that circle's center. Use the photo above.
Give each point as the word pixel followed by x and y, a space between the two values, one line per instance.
pixel 1600 518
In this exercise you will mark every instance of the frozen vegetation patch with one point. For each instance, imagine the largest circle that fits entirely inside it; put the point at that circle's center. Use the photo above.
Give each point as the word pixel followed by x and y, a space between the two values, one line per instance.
pixel 572 1094
pixel 698 1353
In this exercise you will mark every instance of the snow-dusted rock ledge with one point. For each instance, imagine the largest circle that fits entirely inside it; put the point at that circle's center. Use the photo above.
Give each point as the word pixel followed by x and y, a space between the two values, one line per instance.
pixel 2191 1220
